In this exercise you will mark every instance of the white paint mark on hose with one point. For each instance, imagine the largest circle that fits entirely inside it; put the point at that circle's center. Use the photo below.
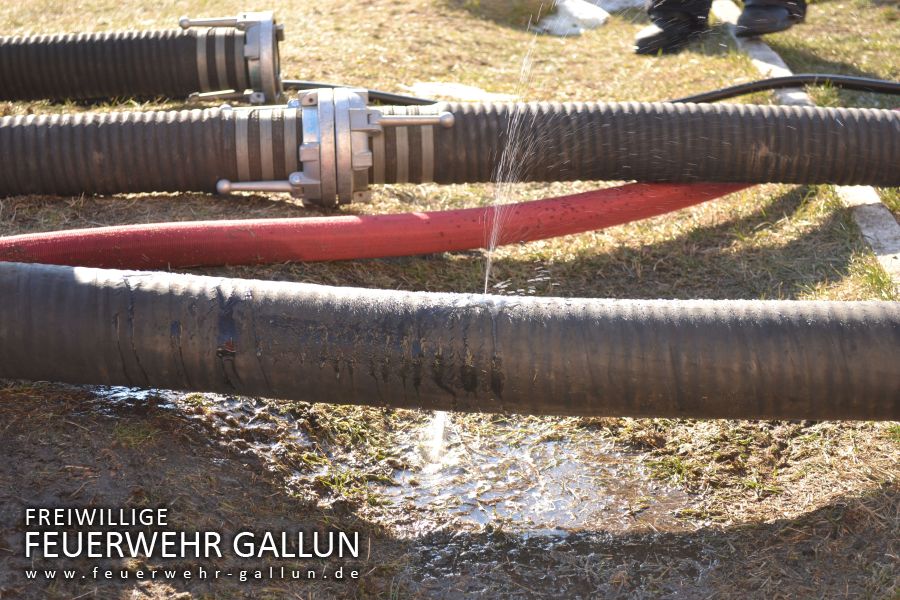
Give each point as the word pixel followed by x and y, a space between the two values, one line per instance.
pixel 241 126
pixel 291 149
pixel 202 67
pixel 402 154
pixel 221 67
pixel 266 159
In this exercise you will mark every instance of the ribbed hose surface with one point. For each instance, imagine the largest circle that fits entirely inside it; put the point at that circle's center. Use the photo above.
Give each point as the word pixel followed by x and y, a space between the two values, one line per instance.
pixel 734 359
pixel 191 150
pixel 108 153
pixel 116 64
pixel 657 142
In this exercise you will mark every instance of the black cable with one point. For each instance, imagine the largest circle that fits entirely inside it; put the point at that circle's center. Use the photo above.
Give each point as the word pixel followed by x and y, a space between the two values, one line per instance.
pixel 862 84
pixel 386 97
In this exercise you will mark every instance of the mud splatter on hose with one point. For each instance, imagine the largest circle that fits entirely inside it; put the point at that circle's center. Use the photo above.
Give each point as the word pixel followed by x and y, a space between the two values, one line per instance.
pixel 660 358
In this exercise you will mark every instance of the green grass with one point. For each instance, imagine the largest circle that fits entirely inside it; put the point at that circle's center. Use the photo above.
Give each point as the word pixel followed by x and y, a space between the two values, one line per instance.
pixel 847 37
pixel 771 241
pixel 134 434
pixel 893 432
pixel 768 242
pixel 891 199
pixel 672 468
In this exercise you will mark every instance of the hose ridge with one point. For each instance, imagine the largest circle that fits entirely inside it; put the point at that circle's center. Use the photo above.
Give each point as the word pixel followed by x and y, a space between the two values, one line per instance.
pixel 661 358
pixel 108 65
pixel 649 142
pixel 110 153
pixel 675 143
pixel 123 152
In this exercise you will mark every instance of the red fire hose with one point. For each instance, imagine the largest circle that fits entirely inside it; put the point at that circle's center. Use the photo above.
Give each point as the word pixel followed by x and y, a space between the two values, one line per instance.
pixel 259 241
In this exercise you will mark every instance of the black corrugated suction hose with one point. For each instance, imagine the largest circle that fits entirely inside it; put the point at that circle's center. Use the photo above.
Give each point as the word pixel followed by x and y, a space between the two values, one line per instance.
pixel 661 358
pixel 134 64
pixel 190 150
pixel 668 142
pixel 171 151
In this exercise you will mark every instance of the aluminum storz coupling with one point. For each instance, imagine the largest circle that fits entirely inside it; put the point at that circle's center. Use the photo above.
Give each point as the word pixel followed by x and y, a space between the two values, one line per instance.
pixel 222 58
pixel 338 147
pixel 257 53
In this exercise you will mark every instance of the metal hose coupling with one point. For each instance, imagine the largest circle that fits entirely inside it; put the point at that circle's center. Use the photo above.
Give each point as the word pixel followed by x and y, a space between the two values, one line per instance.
pixel 326 146
pixel 346 144
pixel 260 54
pixel 339 132
pixel 233 58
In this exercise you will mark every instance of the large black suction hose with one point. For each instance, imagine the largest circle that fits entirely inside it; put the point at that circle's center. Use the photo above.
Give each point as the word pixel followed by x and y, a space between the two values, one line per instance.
pixel 142 64
pixel 185 151
pixel 653 142
pixel 661 358
pixel 172 151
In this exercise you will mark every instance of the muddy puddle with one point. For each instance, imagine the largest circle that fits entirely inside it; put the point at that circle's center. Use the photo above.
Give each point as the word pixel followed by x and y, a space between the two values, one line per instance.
pixel 452 482
pixel 529 475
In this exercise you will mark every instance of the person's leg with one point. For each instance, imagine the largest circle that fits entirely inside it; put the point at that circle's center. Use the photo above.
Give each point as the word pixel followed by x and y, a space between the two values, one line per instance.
pixel 698 9
pixel 674 24
pixel 768 16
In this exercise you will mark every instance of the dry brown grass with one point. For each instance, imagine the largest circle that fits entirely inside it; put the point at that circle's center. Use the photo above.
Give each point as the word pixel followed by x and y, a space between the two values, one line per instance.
pixel 779 504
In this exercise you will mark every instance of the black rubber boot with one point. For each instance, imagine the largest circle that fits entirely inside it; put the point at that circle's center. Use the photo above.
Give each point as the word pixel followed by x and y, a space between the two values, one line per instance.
pixel 669 33
pixel 769 16
pixel 759 20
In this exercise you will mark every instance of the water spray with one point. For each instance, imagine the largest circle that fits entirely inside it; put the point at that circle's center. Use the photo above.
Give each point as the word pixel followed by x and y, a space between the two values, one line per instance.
pixel 465 352
pixel 729 359
pixel 329 145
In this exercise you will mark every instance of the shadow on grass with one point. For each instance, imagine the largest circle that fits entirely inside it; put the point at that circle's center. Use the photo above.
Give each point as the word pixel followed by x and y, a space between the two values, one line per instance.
pixel 717 261
pixel 836 550
pixel 63 446
pixel 512 14
pixel 723 260
pixel 802 58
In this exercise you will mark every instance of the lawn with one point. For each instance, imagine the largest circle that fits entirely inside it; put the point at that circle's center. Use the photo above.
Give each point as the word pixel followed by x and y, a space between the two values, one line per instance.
pixel 633 507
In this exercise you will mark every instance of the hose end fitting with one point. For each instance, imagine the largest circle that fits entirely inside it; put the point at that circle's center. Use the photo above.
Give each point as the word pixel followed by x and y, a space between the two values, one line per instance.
pixel 335 153
pixel 223 186
pixel 260 73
